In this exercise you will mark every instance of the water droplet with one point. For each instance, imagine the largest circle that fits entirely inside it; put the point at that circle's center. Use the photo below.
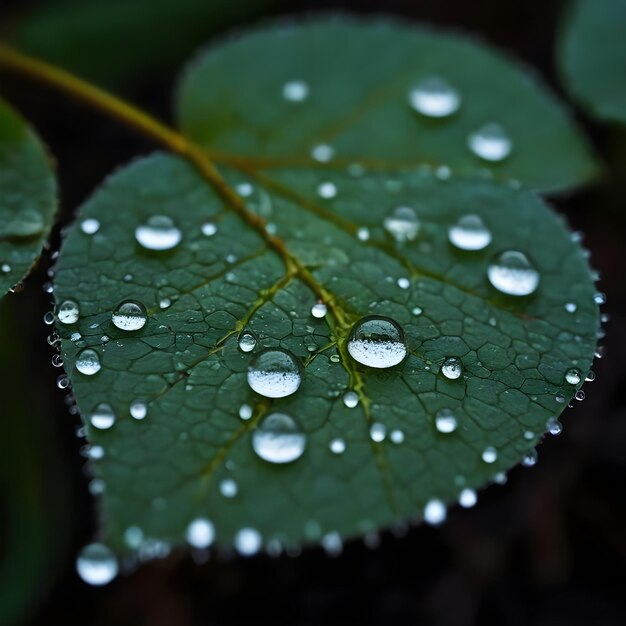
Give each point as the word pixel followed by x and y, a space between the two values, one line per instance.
pixel 591 376
pixel 229 488
pixel 57 360
pixel 417 310
pixel 48 318
pixel 378 432
pixel 573 376
pixel 337 446
pixel 247 341
pixel 489 455
pixel 434 97
pixel 68 312
pixel 319 310
pixel 129 315
pixel 335 358
pixel 435 512
pixel 200 533
pixel 512 273
pixel 208 229
pixel 158 233
pixel 579 395
pixel 467 498
pixel 402 224
pixel 445 421
pixel 88 362
pixel 96 564
pixel 469 233
pixel 133 537
pixel 90 226
pixel 396 436
pixel 278 439
pixel 6 268
pixel 377 342
pixel 350 399
pixel 599 298
pixel 138 409
pixel 327 190
pixel 554 426
pixel 165 303
pixel 332 543
pixel 571 307
pixel 322 153
pixel 102 416
pixel 530 458
pixel 490 143
pixel 248 541
pixel 245 412
pixel 63 382
pixel 296 91
pixel 560 398
pixel 452 368
pixel 363 233
pixel 274 373
pixel 404 283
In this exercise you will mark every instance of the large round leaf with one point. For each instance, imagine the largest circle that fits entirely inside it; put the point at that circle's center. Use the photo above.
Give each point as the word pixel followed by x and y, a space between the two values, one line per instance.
pixel 351 81
pixel 224 277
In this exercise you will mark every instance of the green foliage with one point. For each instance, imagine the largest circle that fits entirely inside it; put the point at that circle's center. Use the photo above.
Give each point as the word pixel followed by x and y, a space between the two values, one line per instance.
pixel 163 471
pixel 113 41
pixel 359 75
pixel 27 198
pixel 592 57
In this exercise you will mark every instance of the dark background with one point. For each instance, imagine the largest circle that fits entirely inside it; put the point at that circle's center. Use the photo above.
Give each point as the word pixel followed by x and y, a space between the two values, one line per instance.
pixel 548 548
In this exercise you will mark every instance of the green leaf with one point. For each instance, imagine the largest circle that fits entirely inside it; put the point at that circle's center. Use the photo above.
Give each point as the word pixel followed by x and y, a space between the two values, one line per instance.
pixel 28 199
pixel 165 470
pixel 114 41
pixel 359 74
pixel 592 56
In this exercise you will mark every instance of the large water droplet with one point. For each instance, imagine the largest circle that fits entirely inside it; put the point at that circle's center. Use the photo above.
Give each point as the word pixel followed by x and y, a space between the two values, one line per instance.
pixel 445 421
pixel 129 315
pixel 573 376
pixel 490 143
pixel 158 233
pixel 278 439
pixel 469 233
pixel 435 512
pixel 248 541
pixel 434 97
pixel 377 342
pixel 296 91
pixel 103 416
pixel 452 368
pixel 88 362
pixel 96 564
pixel 274 373
pixel 402 224
pixel 512 273
pixel 68 312
pixel 200 533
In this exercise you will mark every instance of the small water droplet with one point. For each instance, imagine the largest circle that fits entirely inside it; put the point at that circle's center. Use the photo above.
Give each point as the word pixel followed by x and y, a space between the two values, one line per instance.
pixel 274 373
pixel 319 310
pixel 245 412
pixel 579 395
pixel 200 533
pixel 512 273
pixel 229 488
pixel 48 318
pixel 571 307
pixel 402 224
pixel 337 446
pixel 129 315
pixel 591 376
pixel 435 512
pixel 296 91
pixel 208 229
pixel 404 283
pixel 469 233
pixel 489 455
pixel 490 143
pixel 322 153
pixel 247 341
pixel 138 409
pixel 278 439
pixel 327 190
pixel 363 233
pixel 63 382
pixel 467 498
pixel 248 541
pixel 158 233
pixel 102 416
pixel 88 362
pixel 417 310
pixel 377 342
pixel 6 268
pixel 530 458
pixel 133 537
pixel 378 432
pixel 560 398
pixel 57 360
pixel 452 368
pixel 445 421
pixel 165 303
pixel 90 226
pixel 351 399
pixel 335 358
pixel 96 564
pixel 573 376
pixel 332 543
pixel 434 97
pixel 244 189
pixel 68 312
pixel 599 298
pixel 554 426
